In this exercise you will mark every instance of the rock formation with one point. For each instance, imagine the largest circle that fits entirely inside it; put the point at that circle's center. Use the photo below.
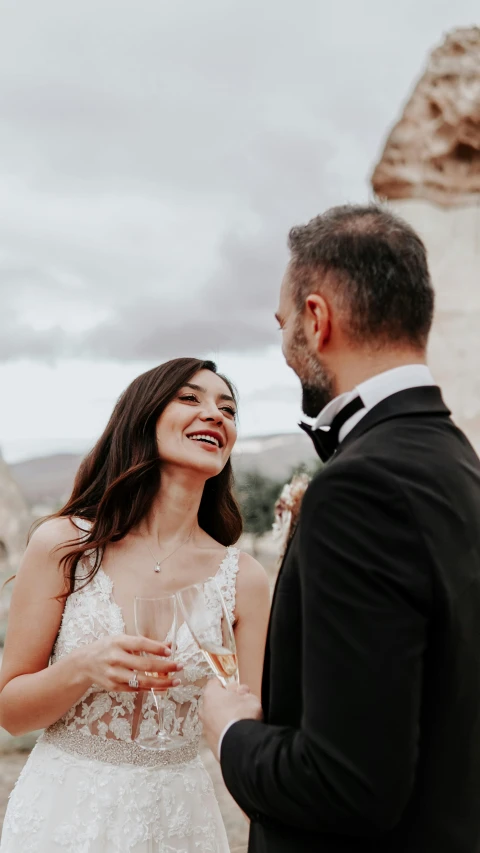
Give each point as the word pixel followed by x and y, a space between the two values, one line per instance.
pixel 433 152
pixel 429 173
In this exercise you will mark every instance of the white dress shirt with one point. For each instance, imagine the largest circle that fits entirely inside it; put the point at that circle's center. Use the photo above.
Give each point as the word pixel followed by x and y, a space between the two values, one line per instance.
pixel 372 392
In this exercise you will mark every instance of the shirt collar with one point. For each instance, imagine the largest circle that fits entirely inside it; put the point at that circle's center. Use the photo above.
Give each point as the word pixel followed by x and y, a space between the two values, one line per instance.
pixel 373 391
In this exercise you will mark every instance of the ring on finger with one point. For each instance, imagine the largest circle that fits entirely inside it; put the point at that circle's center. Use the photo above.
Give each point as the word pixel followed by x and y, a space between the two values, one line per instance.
pixel 133 681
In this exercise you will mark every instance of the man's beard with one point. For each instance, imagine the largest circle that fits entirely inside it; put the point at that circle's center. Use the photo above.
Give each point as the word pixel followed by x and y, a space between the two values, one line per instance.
pixel 317 382
pixel 315 398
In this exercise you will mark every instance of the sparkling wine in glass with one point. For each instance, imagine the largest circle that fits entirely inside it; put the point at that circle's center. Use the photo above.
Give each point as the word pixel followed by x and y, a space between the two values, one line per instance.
pixel 156 619
pixel 204 610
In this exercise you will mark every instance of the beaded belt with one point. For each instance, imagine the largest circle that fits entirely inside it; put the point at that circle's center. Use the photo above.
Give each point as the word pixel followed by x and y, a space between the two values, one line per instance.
pixel 113 751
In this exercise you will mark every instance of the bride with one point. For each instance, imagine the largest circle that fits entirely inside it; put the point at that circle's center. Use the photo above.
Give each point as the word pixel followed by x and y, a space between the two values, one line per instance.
pixel 155 492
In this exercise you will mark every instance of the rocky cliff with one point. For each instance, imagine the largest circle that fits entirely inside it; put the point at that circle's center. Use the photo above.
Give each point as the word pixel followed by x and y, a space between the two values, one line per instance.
pixel 433 152
pixel 429 173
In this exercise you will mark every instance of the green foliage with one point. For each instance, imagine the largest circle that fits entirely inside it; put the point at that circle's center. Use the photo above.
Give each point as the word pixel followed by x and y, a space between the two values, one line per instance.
pixel 311 469
pixel 257 496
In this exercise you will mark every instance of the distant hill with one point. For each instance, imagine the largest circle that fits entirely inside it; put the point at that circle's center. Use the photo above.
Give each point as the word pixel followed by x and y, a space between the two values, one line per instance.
pixel 274 455
pixel 47 480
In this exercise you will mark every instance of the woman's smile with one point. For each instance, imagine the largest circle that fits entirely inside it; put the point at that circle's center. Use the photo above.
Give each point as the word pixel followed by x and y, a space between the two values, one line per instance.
pixel 208 439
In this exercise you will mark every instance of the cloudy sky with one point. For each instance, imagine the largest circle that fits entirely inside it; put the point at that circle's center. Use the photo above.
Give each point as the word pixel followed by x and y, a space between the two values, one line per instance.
pixel 153 156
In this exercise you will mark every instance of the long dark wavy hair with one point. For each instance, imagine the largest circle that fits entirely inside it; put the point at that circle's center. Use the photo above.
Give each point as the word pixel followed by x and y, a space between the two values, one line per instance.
pixel 119 479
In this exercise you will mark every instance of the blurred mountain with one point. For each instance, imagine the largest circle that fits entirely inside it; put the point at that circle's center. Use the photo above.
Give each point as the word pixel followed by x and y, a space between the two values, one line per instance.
pixel 274 455
pixel 47 480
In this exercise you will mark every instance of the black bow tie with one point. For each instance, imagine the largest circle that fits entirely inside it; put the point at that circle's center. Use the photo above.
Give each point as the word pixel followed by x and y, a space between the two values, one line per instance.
pixel 326 441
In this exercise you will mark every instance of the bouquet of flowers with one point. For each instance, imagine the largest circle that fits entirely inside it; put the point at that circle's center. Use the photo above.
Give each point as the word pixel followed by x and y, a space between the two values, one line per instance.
pixel 287 510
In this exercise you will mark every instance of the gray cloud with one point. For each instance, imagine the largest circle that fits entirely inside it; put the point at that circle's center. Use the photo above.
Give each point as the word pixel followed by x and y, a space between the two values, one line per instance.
pixel 153 157
pixel 274 394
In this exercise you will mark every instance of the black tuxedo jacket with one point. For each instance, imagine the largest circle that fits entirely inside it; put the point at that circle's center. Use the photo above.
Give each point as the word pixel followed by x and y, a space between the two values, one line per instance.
pixel 371 689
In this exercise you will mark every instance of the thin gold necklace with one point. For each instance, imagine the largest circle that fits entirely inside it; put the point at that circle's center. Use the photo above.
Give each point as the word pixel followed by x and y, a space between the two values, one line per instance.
pixel 159 563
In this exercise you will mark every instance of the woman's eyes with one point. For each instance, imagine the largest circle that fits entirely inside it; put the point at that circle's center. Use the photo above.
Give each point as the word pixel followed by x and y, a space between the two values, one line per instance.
pixel 191 398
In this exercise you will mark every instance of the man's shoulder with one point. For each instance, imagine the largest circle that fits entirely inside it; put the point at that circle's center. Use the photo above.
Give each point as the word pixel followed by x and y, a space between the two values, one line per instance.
pixel 412 433
pixel 383 460
pixel 413 441
pixel 399 457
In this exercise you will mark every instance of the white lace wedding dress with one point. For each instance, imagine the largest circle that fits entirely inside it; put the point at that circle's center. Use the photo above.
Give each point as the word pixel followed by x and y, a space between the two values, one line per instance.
pixel 87 787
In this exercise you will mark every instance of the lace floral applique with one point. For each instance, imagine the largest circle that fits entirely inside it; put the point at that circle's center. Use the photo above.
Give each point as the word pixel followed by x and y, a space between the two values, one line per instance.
pixel 91 613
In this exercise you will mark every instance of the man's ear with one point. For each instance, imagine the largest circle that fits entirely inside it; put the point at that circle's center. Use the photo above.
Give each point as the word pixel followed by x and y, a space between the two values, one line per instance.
pixel 317 320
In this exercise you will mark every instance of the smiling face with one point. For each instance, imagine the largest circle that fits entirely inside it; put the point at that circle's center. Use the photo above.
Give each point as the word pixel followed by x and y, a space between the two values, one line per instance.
pixel 197 429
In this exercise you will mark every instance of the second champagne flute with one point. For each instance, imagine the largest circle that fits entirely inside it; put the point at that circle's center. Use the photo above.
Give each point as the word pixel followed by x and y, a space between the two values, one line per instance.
pixel 204 610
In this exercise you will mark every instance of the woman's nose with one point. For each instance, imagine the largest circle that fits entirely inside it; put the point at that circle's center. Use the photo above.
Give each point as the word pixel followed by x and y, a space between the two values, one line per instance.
pixel 212 415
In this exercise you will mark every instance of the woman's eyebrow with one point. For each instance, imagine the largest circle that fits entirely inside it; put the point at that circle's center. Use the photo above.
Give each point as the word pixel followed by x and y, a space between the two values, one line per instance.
pixel 194 387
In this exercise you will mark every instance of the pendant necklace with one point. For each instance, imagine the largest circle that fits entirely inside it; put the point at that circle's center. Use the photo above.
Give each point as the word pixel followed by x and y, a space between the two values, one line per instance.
pixel 159 563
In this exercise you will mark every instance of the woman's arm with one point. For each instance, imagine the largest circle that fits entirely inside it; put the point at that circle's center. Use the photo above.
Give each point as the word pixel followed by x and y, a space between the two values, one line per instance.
pixel 33 694
pixel 252 611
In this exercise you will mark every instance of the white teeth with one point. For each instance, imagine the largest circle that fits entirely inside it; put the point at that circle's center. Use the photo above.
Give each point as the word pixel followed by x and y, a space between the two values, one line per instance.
pixel 208 438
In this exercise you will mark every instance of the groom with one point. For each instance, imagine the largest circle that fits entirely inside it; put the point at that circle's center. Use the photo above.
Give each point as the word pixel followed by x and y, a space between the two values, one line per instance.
pixel 368 737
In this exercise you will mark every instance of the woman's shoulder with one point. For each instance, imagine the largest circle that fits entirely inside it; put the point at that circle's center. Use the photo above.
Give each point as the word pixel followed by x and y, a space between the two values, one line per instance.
pixel 51 540
pixel 252 588
pixel 53 533
pixel 251 574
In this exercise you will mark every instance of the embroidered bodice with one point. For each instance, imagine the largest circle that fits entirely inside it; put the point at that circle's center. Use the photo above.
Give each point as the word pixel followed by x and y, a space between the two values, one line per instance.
pixel 91 613
pixel 87 786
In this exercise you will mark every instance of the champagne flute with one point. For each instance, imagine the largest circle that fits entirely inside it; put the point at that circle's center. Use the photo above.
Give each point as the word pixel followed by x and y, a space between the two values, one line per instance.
pixel 156 619
pixel 205 612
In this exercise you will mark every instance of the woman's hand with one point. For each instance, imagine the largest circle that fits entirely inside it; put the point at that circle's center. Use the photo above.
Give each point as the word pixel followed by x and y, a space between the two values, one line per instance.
pixel 112 661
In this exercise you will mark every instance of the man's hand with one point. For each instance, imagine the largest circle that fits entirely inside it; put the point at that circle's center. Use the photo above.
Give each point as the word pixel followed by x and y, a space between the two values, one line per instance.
pixel 220 707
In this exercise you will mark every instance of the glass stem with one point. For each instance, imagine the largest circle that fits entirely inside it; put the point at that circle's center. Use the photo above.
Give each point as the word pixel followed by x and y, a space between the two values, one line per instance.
pixel 160 706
